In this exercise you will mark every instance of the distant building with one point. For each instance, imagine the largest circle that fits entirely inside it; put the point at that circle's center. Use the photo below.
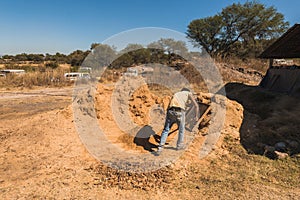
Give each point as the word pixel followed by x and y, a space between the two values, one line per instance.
pixel 283 74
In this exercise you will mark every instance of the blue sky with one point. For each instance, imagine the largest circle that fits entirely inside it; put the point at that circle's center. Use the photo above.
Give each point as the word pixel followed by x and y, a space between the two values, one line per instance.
pixel 50 26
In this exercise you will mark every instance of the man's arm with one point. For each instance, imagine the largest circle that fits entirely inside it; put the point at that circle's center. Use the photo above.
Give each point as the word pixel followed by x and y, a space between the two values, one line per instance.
pixel 195 104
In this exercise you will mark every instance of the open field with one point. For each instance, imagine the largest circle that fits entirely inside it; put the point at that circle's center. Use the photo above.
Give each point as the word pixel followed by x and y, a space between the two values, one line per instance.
pixel 42 156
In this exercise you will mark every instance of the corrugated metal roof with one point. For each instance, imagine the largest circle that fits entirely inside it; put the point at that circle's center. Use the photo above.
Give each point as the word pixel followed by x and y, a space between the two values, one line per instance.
pixel 287 46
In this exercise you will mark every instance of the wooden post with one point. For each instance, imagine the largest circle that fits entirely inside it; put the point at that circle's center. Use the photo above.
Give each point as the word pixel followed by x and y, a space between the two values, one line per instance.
pixel 271 60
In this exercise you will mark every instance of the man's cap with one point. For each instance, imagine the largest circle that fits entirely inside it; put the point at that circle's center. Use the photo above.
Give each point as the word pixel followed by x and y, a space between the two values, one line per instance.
pixel 185 89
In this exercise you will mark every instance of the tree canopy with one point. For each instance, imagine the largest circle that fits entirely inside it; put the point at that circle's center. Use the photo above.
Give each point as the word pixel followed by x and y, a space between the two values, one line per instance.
pixel 164 51
pixel 242 30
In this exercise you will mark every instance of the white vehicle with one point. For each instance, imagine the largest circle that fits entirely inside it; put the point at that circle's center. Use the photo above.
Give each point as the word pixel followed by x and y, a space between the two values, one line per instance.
pixel 73 76
pixel 131 71
pixel 12 71
pixel 85 69
pixel 283 62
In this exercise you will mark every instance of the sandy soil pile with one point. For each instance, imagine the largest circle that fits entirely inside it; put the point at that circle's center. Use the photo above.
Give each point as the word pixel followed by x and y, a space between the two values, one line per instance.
pixel 141 102
pixel 143 108
pixel 138 110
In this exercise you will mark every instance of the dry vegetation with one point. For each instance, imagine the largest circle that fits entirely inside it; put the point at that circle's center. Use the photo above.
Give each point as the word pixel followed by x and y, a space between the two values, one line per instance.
pixel 52 78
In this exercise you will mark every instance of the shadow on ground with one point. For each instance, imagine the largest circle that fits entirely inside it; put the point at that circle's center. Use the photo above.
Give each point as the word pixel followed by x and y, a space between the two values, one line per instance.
pixel 143 136
pixel 269 118
pixel 148 139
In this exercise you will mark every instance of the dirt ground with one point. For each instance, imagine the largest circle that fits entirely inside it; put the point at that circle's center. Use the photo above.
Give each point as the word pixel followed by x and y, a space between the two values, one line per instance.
pixel 42 156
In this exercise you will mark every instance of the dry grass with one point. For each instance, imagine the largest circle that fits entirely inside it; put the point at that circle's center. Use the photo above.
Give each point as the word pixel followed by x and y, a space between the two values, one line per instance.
pixel 260 65
pixel 111 75
pixel 54 78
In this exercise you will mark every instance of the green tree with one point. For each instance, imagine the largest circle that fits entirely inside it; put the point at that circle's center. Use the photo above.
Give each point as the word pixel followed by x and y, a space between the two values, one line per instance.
pixel 131 47
pixel 172 46
pixel 21 57
pixel 101 55
pixel 125 60
pixel 35 57
pixel 206 33
pixel 239 30
pixel 77 57
pixel 157 53
pixel 175 50
pixel 167 49
pixel 58 58
pixel 94 45
pixel 137 53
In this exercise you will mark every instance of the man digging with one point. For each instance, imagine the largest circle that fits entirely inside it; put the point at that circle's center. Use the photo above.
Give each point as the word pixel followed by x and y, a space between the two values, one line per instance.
pixel 176 114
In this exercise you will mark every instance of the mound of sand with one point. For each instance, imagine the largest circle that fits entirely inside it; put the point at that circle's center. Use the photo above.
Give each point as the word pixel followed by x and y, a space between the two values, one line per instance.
pixel 142 108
